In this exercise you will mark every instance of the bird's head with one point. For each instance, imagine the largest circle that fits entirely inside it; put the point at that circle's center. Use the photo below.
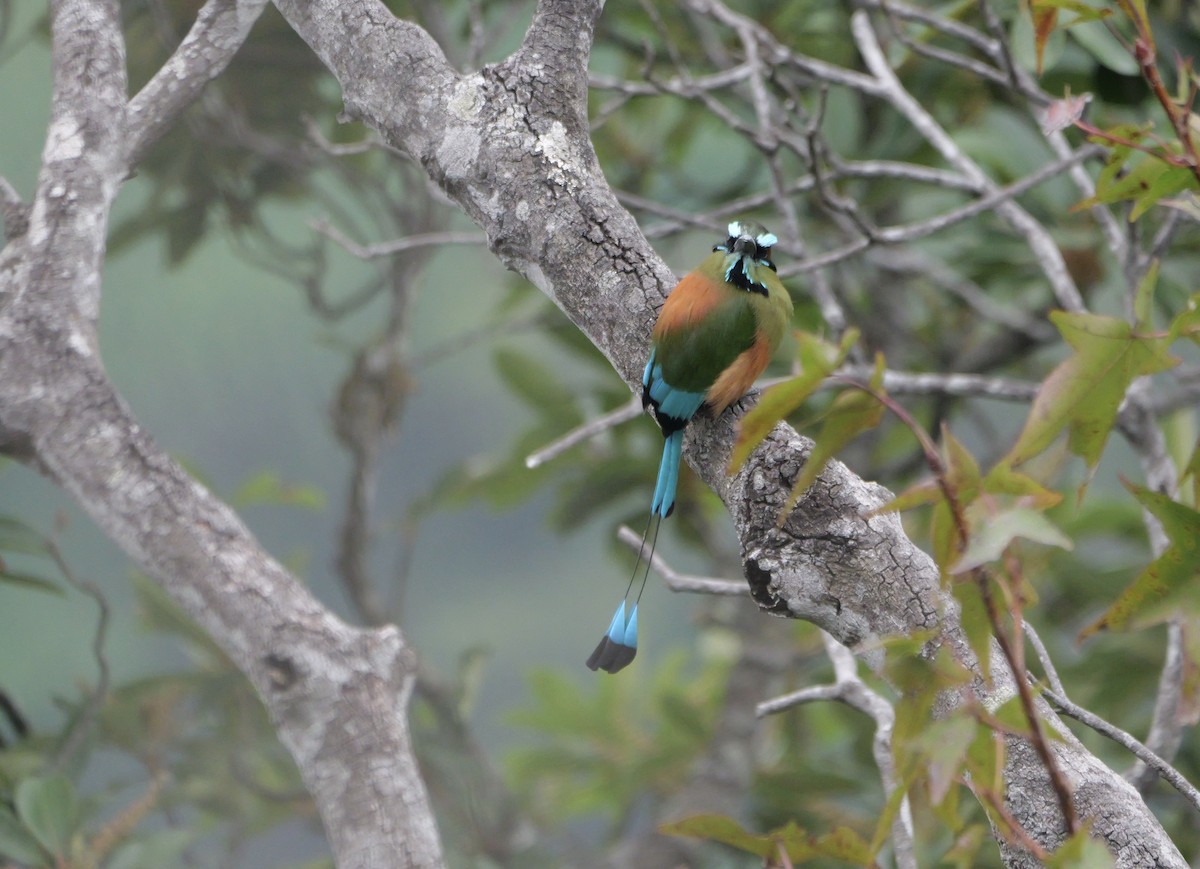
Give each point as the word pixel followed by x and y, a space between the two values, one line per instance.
pixel 746 249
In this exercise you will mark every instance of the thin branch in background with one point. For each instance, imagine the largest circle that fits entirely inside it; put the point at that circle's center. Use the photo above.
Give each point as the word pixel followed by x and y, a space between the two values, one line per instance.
pixel 1044 656
pixel 478 42
pixel 220 28
pixel 399 245
pixel 370 402
pixel 1040 243
pixel 372 142
pixel 998 198
pixel 916 262
pixel 950 58
pixel 456 344
pixel 1058 696
pixel 779 54
pixel 1018 79
pixel 1166 724
pixel 895 382
pixel 10 711
pixel 1145 435
pixel 622 414
pixel 848 688
pixel 920 383
pixel 15 212
pixel 947 25
pixel 86 721
pixel 409 528
pixel 1169 774
pixel 681 582
pixel 831 308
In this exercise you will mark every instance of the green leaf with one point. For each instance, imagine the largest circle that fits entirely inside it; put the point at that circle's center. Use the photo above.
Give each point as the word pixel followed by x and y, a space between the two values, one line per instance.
pixel 161 848
pixel 841 843
pixel 945 745
pixel 727 831
pixel 1192 471
pixel 266 487
pixel 1090 32
pixel 985 763
pixel 818 359
pixel 852 412
pixel 1003 480
pixel 1143 299
pixel 16 536
pixel 1168 583
pixel 1172 180
pixel 919 494
pixel 975 622
pixel 1084 392
pixel 531 380
pixel 962 470
pixel 1082 10
pixel 993 533
pixel 1128 172
pixel 965 853
pixel 1081 851
pixel 16 842
pixel 1187 323
pixel 48 806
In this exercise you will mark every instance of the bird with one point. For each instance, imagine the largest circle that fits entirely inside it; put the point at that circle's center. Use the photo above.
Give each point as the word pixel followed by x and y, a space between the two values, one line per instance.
pixel 714 336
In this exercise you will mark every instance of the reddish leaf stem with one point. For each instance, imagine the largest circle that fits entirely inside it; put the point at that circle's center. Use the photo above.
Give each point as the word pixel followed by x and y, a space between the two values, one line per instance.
pixel 1008 646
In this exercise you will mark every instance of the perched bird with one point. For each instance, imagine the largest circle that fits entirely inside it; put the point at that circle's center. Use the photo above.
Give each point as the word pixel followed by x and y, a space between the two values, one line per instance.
pixel 715 334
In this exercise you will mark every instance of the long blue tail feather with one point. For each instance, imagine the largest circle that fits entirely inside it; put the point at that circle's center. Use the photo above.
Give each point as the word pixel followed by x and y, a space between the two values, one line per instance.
pixel 618 647
pixel 668 475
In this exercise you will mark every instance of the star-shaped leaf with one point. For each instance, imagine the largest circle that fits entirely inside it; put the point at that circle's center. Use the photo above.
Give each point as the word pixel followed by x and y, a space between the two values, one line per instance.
pixel 1168 584
pixel 1083 393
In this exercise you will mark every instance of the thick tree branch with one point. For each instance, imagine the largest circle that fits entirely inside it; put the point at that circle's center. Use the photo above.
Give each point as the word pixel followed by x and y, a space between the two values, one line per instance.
pixel 220 28
pixel 511 146
pixel 336 694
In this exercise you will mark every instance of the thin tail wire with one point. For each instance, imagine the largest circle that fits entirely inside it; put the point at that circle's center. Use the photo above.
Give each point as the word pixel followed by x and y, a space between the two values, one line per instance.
pixel 618 646
pixel 656 520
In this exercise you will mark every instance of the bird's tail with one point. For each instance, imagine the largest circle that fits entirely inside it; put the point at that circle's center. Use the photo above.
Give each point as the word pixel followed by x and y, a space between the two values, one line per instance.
pixel 618 647
pixel 668 476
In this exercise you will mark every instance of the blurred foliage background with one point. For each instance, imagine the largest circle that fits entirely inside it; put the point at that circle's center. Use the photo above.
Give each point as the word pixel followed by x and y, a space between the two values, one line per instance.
pixel 292 377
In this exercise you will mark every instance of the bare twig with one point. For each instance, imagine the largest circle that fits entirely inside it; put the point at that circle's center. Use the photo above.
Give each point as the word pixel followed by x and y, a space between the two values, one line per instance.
pixel 1171 775
pixel 1039 240
pixel 82 727
pixel 679 581
pixel 219 30
pixel 399 245
pixel 1166 724
pixel 622 414
pixel 15 211
pixel 921 383
pixel 848 688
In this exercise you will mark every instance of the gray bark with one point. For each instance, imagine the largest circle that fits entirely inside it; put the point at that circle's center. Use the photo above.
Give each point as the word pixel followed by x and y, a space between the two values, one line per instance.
pixel 337 694
pixel 510 145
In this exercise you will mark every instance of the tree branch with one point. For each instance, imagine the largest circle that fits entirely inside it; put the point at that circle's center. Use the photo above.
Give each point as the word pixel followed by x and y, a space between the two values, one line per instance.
pixel 218 32
pixel 336 694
